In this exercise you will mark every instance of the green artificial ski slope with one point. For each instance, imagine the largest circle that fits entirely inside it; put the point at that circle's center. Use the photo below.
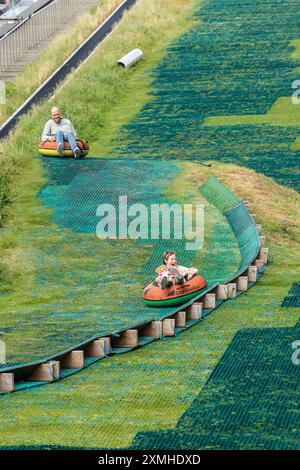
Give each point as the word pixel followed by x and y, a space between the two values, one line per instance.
pixel 85 286
pixel 221 94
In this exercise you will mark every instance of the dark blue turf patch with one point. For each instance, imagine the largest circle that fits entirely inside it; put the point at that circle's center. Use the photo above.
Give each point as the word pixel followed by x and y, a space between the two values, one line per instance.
pixel 251 400
pixel 293 297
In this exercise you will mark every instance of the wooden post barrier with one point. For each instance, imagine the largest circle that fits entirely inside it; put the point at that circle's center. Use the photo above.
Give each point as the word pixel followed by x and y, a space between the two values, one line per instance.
pixel 262 240
pixel 107 345
pixel 222 292
pixel 56 369
pixel 128 339
pixel 168 327
pixel 242 283
pixel 73 360
pixel 153 329
pixel 252 273
pixel 263 254
pixel 96 348
pixel 180 319
pixel 46 372
pixel 194 311
pixel 209 301
pixel 231 286
pixel 7 382
pixel 260 264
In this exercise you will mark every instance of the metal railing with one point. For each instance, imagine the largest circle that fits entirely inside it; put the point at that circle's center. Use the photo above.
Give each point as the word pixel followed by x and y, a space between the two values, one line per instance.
pixel 34 29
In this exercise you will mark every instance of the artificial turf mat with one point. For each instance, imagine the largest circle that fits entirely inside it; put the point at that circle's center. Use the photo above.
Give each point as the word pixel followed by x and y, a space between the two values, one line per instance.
pixel 251 400
pixel 235 62
pixel 293 297
pixel 84 285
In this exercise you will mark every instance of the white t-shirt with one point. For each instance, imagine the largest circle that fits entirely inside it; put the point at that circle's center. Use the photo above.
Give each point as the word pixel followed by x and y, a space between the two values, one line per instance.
pixel 51 128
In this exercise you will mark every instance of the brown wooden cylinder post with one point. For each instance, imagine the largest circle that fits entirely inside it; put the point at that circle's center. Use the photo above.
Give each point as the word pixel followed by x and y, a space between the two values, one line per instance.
pixel 46 372
pixel 168 327
pixel 107 345
pixel 180 319
pixel 7 382
pixel 252 273
pixel 263 254
pixel 231 286
pixel 73 360
pixel 222 292
pixel 96 348
pixel 194 311
pixel 56 369
pixel 209 301
pixel 128 339
pixel 152 329
pixel 259 263
pixel 242 283
pixel 262 240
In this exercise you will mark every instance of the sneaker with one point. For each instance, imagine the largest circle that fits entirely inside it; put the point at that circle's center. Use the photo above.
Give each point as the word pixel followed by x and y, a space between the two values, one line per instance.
pixel 60 149
pixel 76 152
pixel 179 279
pixel 164 283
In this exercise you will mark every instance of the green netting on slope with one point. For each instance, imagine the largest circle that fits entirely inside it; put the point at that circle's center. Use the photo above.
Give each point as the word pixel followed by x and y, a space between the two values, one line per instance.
pixel 238 217
pixel 83 285
pixel 218 195
pixel 244 229
pixel 251 400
